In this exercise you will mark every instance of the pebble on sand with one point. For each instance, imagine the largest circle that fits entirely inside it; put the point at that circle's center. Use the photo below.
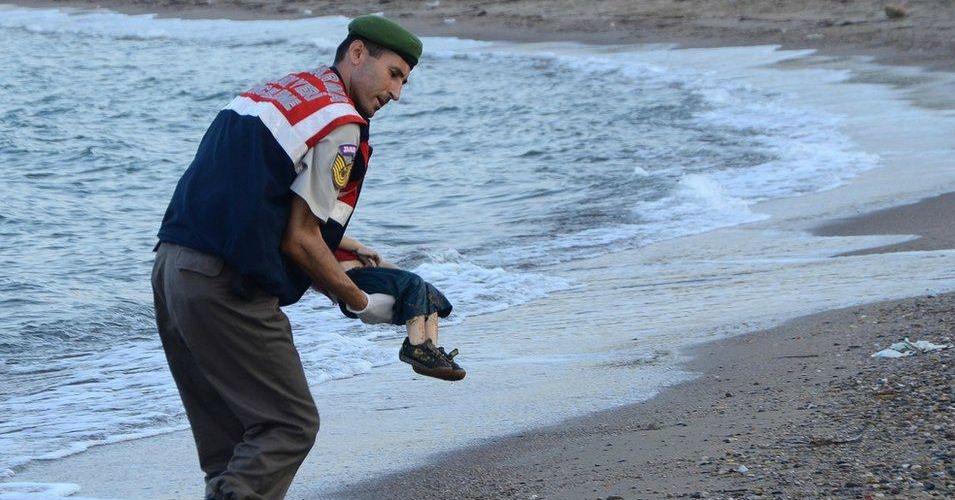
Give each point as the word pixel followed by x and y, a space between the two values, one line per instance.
pixel 895 11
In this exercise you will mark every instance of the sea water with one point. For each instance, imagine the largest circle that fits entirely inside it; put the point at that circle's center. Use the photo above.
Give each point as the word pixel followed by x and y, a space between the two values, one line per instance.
pixel 499 166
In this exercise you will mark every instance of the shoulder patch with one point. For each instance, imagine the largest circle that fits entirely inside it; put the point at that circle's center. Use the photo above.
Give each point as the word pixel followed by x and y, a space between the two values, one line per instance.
pixel 341 167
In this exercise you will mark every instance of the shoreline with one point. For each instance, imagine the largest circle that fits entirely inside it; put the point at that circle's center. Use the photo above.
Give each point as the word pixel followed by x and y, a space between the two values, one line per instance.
pixel 788 412
pixel 924 36
pixel 448 472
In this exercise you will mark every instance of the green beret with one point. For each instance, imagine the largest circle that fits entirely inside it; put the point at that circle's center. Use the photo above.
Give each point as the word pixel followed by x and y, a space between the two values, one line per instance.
pixel 388 34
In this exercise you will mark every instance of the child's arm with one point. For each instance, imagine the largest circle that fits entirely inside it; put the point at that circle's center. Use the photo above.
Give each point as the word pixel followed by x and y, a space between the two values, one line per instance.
pixel 366 255
pixel 349 244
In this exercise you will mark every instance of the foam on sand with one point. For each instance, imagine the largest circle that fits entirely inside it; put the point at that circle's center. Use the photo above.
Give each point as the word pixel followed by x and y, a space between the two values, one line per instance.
pixel 41 491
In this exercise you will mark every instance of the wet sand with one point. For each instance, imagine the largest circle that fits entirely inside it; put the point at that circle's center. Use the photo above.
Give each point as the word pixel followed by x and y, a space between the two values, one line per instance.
pixel 931 219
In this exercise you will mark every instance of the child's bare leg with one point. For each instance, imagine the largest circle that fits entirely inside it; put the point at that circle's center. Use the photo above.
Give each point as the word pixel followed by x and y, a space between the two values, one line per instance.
pixel 416 330
pixel 431 328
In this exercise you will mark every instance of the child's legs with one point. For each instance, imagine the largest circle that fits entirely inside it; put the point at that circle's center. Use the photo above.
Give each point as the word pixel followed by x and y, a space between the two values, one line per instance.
pixel 416 330
pixel 431 328
pixel 421 328
pixel 414 299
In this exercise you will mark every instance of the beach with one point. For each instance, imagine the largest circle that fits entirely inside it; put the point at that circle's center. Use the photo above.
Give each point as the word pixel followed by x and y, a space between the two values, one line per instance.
pixel 742 364
pixel 799 411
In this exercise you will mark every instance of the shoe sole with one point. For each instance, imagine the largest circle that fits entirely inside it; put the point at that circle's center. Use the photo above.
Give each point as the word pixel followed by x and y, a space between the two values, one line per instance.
pixel 441 373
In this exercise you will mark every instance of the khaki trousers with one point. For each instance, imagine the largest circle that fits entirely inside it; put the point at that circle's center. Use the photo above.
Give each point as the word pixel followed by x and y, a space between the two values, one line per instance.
pixel 238 373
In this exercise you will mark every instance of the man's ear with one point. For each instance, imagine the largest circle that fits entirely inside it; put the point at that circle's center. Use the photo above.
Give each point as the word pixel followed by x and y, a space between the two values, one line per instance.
pixel 356 51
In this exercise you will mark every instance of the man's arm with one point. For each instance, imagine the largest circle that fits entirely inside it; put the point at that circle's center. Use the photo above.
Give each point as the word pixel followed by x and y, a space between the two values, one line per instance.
pixel 316 190
pixel 316 193
pixel 303 244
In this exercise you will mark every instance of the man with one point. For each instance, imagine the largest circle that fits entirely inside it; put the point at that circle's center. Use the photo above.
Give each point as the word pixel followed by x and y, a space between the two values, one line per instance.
pixel 255 220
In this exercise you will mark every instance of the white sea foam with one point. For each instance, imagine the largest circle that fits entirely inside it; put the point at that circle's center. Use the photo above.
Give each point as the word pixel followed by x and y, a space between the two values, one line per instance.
pixel 699 196
pixel 697 204
pixel 318 30
pixel 811 152
pixel 480 290
pixel 40 491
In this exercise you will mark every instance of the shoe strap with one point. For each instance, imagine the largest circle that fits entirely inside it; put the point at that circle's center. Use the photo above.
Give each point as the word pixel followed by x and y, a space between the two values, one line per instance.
pixel 450 355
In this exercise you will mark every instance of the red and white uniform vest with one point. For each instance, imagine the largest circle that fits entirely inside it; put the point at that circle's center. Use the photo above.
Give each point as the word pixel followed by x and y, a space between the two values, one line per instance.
pixel 234 199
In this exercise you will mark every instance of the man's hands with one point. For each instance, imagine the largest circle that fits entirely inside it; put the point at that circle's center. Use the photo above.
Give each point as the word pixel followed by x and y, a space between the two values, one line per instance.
pixel 379 309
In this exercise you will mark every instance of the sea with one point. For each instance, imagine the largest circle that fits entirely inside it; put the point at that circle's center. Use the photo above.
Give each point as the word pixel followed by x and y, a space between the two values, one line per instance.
pixel 500 166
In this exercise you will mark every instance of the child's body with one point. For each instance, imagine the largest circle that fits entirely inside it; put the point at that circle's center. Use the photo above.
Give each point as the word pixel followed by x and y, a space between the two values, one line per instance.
pixel 418 305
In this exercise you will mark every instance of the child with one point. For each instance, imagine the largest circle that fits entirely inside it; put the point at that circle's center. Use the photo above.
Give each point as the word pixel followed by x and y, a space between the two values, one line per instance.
pixel 418 305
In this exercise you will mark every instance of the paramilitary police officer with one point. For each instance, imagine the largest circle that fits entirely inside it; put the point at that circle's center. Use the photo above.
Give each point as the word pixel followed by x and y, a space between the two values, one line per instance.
pixel 253 222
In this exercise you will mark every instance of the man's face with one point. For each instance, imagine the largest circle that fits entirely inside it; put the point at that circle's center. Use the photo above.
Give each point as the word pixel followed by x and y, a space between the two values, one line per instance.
pixel 375 80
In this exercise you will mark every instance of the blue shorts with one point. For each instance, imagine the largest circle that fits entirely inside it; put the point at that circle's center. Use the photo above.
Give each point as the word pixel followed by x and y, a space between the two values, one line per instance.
pixel 413 295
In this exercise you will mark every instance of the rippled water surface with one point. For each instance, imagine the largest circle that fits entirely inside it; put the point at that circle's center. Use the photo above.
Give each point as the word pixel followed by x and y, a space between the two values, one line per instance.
pixel 495 163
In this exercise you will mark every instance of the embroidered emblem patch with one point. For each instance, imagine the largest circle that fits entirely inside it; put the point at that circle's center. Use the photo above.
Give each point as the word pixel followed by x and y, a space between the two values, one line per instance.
pixel 341 171
pixel 341 168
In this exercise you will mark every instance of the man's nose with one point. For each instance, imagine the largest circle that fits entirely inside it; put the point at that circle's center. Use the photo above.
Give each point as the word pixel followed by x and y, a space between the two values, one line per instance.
pixel 395 91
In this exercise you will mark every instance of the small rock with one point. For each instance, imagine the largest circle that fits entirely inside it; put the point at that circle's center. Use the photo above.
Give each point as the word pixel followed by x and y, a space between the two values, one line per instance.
pixel 895 11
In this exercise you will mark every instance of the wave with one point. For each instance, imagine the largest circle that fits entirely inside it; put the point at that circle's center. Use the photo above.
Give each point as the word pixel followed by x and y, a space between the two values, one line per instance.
pixel 105 23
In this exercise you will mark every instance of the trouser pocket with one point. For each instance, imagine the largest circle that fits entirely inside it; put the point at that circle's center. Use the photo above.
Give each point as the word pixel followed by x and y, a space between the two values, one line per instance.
pixel 205 264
